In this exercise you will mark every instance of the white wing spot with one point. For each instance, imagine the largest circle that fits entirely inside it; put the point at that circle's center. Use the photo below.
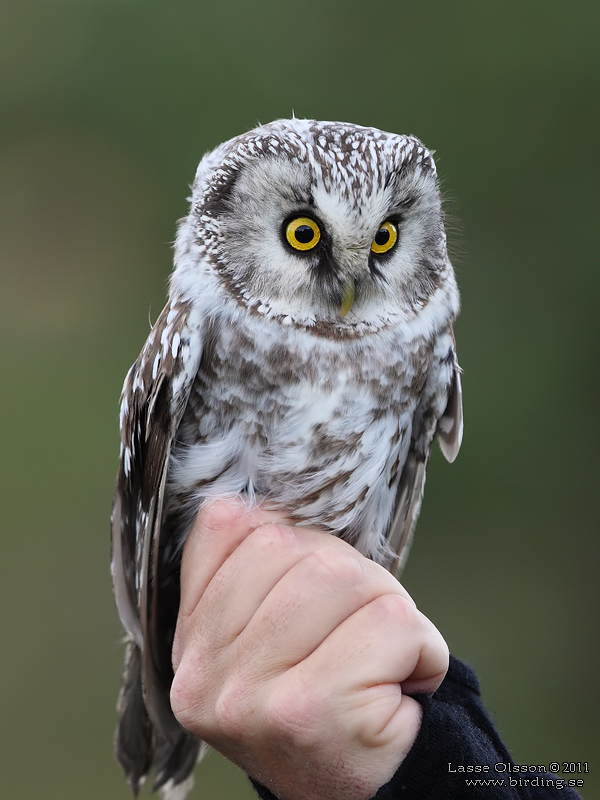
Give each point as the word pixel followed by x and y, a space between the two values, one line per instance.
pixel 127 461
pixel 155 366
pixel 175 344
pixel 138 383
pixel 123 410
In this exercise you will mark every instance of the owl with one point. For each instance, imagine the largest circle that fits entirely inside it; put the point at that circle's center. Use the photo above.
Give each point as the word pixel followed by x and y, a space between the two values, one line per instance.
pixel 305 359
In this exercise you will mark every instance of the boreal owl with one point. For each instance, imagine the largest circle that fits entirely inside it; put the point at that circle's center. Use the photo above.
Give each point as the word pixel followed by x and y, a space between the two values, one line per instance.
pixel 305 359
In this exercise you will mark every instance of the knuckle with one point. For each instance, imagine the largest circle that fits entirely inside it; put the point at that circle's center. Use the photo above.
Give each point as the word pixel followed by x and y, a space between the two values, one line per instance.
pixel 334 566
pixel 192 687
pixel 272 536
pixel 394 609
pixel 183 696
pixel 217 516
pixel 231 710
pixel 292 714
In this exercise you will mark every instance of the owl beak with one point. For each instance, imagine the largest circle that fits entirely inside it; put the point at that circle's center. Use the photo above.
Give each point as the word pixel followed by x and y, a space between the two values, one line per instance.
pixel 347 298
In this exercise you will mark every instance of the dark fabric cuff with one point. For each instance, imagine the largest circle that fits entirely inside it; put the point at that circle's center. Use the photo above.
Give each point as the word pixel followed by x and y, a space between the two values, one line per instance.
pixel 457 735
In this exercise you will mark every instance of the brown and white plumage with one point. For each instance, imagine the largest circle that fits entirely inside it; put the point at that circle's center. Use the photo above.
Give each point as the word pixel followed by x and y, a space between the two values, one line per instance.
pixel 311 377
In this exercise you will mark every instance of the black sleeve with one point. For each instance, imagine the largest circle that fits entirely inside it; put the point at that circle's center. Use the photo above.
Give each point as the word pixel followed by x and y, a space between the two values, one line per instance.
pixel 457 733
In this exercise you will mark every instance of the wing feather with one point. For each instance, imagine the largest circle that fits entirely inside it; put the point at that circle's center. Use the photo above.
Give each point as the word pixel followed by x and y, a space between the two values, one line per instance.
pixel 439 412
pixel 155 394
pixel 408 504
pixel 450 426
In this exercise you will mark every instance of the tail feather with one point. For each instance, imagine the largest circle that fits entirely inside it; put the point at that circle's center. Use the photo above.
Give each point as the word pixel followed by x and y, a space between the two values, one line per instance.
pixel 174 761
pixel 140 747
pixel 177 791
pixel 133 741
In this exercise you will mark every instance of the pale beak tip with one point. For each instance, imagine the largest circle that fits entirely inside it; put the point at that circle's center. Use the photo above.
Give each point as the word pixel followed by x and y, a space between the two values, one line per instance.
pixel 347 299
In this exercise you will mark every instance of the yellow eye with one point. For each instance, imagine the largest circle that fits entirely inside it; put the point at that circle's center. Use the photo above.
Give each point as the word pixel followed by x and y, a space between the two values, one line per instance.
pixel 385 238
pixel 302 233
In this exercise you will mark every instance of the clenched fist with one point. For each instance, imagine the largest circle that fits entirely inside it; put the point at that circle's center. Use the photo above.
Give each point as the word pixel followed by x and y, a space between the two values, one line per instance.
pixel 295 656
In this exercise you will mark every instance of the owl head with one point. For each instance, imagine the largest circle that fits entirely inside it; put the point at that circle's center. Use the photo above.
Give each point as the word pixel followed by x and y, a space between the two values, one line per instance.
pixel 322 224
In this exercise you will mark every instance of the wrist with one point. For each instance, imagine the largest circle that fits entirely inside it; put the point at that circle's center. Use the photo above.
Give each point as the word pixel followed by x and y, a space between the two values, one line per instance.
pixel 340 772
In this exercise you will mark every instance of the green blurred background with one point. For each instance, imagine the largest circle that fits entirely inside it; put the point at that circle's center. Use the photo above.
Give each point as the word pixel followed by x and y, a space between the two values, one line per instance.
pixel 107 106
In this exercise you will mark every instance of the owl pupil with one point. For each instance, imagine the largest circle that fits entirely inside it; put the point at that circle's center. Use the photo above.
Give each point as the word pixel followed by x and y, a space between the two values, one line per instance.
pixel 304 234
pixel 382 237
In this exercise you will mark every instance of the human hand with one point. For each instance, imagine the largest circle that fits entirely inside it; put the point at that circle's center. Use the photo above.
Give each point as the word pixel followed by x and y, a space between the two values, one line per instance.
pixel 294 655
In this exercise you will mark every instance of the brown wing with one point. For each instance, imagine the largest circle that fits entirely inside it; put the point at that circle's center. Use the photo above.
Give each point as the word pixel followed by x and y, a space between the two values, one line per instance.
pixel 155 395
pixel 439 412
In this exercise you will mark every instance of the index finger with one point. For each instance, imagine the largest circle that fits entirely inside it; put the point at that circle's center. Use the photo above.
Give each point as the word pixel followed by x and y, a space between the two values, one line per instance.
pixel 218 530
